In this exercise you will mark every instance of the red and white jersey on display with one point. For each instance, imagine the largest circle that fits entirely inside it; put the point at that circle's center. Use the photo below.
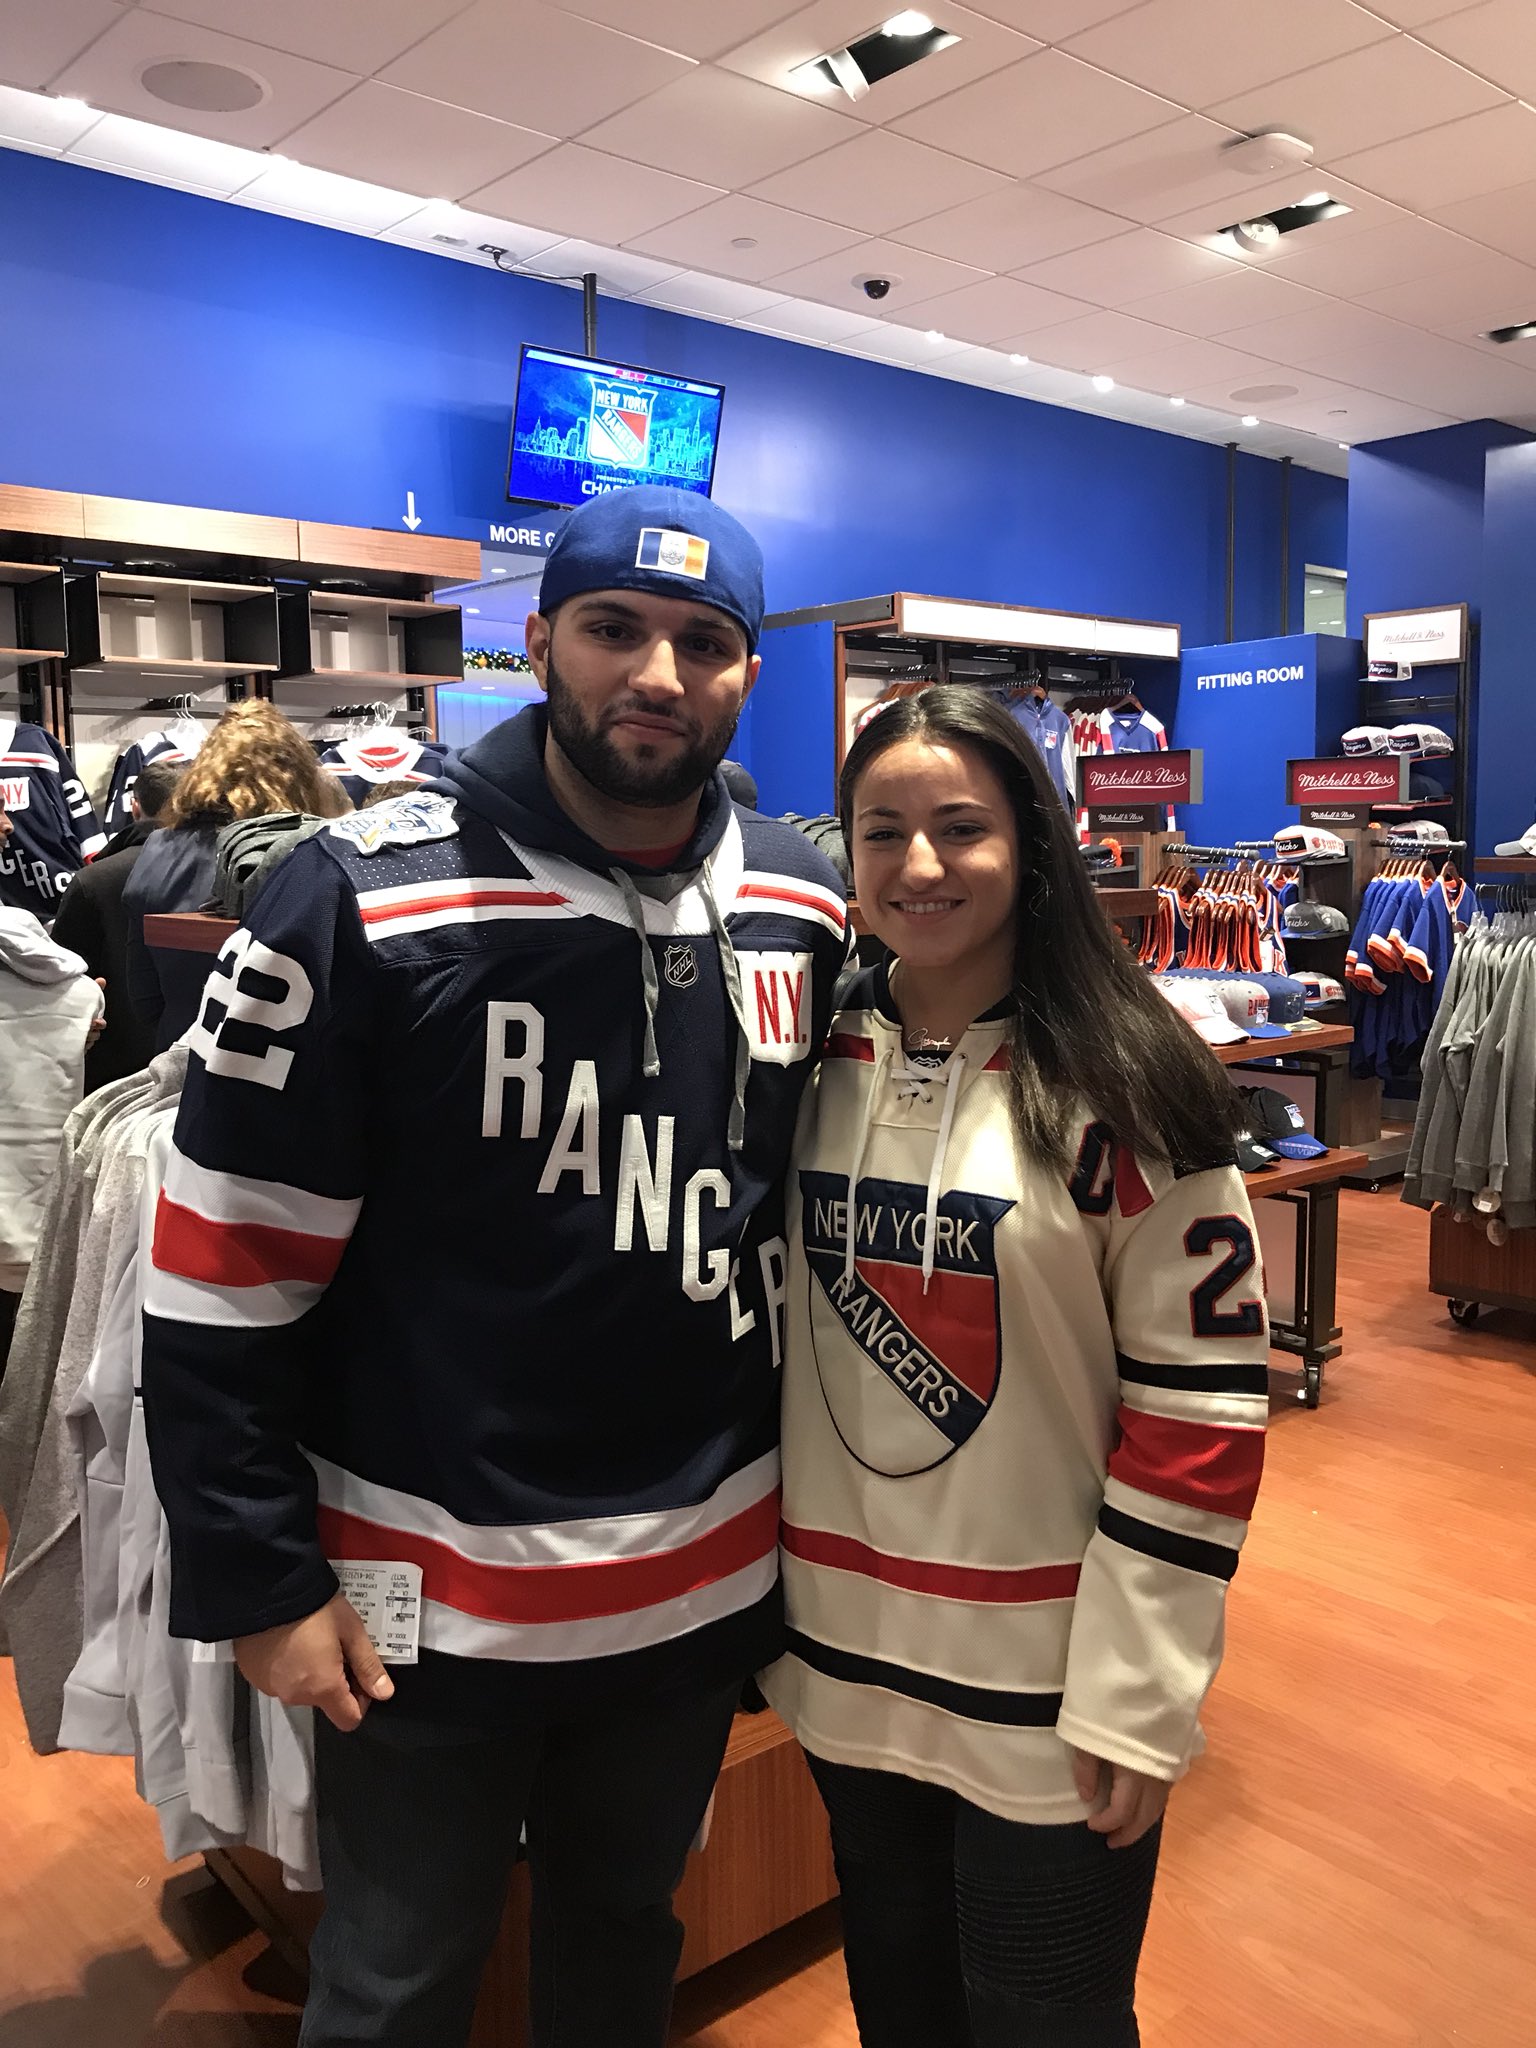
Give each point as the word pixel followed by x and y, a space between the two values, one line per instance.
pixel 1024 1414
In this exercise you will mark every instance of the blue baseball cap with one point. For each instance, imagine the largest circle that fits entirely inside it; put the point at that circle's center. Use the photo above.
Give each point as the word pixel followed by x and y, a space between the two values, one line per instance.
pixel 675 543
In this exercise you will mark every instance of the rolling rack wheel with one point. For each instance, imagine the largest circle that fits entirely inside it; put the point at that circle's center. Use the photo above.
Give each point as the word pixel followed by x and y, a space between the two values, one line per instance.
pixel 1465 1312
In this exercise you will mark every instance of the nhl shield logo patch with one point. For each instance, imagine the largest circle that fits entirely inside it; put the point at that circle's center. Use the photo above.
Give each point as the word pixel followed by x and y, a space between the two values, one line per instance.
pixel 908 1377
pixel 680 964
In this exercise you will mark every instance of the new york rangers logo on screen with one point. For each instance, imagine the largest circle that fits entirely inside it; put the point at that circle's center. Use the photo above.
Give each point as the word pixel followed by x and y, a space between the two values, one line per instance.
pixel 908 1376
pixel 619 429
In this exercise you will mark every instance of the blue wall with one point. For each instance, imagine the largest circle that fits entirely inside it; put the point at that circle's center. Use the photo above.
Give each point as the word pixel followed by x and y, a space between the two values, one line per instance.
pixel 179 349
pixel 1504 763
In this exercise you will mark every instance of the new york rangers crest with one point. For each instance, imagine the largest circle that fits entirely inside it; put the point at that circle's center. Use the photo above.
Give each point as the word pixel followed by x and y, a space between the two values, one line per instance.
pixel 908 1377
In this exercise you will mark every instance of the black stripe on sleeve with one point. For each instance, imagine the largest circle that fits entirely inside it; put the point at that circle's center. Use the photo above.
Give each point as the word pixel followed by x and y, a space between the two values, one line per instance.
pixel 970 1702
pixel 1195 1379
pixel 1215 1560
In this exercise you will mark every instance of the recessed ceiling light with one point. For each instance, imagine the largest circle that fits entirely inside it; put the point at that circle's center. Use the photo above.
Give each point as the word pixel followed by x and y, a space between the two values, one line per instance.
pixel 1175 401
pixel 908 23
pixel 934 334
pixel 1250 419
pixel 498 572
pixel 905 38
pixel 1259 233
pixel 1345 446
pixel 1524 330
pixel 473 610
pixel 1103 384
pixel 74 106
pixel 1019 361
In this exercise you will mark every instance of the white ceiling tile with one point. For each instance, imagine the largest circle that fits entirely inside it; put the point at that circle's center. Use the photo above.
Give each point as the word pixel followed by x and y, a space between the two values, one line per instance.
pixel 457 231
pixel 40 123
pixel 713 298
pixel 380 132
pixel 1482 153
pixel 1052 21
pixel 1372 95
pixel 1185 365
pixel 984 46
pixel 721 129
pixel 806 320
pixel 357 35
pixel 35 42
pixel 1040 112
pixel 914 276
pixel 1320 332
pixel 1429 370
pixel 878 182
pixel 108 76
pixel 155 152
pixel 1132 266
pixel 620 272
pixel 1236 298
pixel 580 191
pixel 908 345
pixel 1347 265
pixel 1166 171
pixel 995 307
pixel 1414 13
pixel 534 65
pixel 699 28
pixel 780 240
pixel 1497 39
pixel 1200 51
pixel 1487 292
pixel 1089 343
pixel 321 195
pixel 1344 412
pixel 1500 220
pixel 1008 229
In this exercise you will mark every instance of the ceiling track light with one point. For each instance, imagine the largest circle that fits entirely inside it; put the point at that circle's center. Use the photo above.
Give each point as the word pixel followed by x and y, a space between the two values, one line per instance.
pixel 1523 330
pixel 902 40
pixel 1261 233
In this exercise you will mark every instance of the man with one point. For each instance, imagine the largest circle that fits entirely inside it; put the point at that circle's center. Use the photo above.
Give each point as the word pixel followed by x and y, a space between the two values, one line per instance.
pixel 93 922
pixel 470 1259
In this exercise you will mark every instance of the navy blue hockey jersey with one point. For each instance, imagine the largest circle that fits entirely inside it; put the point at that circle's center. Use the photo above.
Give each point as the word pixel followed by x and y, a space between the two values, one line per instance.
pixel 361 765
pixel 456 1261
pixel 56 831
pixel 131 763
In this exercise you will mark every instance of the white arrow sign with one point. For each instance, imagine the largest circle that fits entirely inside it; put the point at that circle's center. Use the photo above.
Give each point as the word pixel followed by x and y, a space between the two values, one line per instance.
pixel 409 514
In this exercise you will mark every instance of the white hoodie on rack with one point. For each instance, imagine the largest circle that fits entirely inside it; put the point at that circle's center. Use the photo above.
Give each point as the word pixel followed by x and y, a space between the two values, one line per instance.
pixel 48 1003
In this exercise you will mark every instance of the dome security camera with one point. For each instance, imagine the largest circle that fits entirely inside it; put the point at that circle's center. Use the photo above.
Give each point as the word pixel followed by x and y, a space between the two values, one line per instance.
pixel 875 287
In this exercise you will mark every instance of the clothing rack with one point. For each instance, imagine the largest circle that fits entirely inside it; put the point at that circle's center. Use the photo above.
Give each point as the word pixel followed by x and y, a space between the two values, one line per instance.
pixel 1247 849
pixel 1436 851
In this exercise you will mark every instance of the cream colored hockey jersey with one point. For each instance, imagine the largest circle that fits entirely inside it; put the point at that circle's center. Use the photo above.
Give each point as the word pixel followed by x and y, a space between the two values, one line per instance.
pixel 1024 1423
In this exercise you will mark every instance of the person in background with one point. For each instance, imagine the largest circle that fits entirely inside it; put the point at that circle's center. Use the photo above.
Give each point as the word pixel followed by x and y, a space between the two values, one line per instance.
pixel 385 790
pixel 93 922
pixel 741 783
pixel 252 763
pixel 1024 1406
pixel 49 1009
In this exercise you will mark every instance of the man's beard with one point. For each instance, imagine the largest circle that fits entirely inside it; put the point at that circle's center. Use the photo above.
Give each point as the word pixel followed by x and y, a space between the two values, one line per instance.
pixel 650 780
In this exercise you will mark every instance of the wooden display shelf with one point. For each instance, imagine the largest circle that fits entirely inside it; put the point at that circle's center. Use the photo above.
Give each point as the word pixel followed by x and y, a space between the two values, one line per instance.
pixel 139 666
pixel 187 931
pixel 1304 1038
pixel 1505 864
pixel 1292 1174
pixel 1470 1270
pixel 31 614
pixel 433 556
pixel 400 643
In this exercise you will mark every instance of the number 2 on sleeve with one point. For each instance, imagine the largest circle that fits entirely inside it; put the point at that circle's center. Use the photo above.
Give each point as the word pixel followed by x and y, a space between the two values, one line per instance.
pixel 1206 1318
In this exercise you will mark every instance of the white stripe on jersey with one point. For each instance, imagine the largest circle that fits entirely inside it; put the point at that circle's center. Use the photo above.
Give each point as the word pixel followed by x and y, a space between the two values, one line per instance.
pixel 456 899
pixel 1219 1411
pixel 233 1198
pixel 179 1300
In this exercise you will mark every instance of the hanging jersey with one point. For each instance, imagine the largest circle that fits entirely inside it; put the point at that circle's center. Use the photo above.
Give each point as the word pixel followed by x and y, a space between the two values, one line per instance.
pixel 131 763
pixel 360 765
pixel 54 829
pixel 1023 1427
pixel 1051 731
pixel 1134 732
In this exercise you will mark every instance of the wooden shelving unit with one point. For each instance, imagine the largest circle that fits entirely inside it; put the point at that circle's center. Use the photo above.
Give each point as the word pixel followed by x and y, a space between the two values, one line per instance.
pixel 135 628
pixel 355 637
pixel 32 625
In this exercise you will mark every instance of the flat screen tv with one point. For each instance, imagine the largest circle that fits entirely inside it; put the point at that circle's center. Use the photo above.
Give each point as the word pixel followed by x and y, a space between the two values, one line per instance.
pixel 582 427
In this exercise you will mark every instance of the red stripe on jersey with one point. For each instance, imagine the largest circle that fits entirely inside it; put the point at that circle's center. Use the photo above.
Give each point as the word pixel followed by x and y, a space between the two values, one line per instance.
pixel 239 1254
pixel 845 1045
pixel 1131 1191
pixel 980 1583
pixel 1199 1465
pixel 558 1592
pixel 463 899
pixel 826 906
pixel 998 1064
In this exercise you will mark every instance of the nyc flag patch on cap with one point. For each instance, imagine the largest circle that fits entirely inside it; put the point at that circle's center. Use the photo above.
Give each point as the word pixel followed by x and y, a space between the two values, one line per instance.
pixel 681 554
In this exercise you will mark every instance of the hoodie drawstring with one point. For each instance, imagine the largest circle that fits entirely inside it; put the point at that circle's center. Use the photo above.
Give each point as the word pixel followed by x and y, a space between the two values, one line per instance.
pixel 910 1081
pixel 651 1065
pixel 730 974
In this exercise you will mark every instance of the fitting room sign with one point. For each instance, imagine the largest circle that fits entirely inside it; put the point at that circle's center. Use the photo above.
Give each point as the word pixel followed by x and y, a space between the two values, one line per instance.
pixel 1116 782
pixel 1371 779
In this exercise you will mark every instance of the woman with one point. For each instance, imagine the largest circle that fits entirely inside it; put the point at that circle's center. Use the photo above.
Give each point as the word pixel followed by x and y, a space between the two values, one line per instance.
pixel 1024 1407
pixel 253 763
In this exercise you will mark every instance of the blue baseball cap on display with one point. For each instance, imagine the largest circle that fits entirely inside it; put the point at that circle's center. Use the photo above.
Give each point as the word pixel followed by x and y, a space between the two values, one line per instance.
pixel 673 543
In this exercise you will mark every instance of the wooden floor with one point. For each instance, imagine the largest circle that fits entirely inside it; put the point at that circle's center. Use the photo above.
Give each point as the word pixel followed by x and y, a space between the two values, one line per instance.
pixel 1353 1864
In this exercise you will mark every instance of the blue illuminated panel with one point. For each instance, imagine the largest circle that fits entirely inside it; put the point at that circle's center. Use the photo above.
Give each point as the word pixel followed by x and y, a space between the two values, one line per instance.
pixel 583 427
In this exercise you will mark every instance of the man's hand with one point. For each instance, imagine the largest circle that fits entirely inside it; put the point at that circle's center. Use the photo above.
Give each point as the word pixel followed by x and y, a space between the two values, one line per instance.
pixel 1134 1802
pixel 324 1661
pixel 98 1024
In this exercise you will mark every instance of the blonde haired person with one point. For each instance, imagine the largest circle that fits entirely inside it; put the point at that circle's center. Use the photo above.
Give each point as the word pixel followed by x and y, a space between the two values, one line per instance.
pixel 253 763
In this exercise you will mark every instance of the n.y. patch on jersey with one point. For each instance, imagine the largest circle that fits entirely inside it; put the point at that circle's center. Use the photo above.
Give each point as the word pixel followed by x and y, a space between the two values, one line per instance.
pixel 776 994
